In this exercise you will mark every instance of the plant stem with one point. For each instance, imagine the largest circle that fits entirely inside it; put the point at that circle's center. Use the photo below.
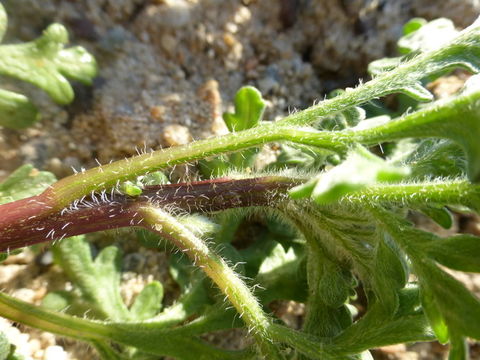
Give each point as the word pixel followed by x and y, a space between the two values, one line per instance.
pixel 74 187
pixel 217 269
pixel 165 342
pixel 24 223
pixel 449 192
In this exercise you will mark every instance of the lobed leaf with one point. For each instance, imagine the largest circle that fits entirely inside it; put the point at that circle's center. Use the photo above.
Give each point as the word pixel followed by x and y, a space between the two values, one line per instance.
pixel 24 182
pixel 45 63
pixel 97 279
pixel 403 76
pixel 249 108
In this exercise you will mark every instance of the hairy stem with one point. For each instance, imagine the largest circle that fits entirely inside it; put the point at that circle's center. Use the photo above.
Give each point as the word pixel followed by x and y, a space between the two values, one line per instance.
pixel 169 342
pixel 74 187
pixel 23 223
pixel 411 195
pixel 217 269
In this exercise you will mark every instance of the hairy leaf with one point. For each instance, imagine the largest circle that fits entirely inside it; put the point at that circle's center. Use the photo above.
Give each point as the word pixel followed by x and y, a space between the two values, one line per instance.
pixel 98 279
pixel 360 169
pixel 45 63
pixel 149 302
pixel 280 274
pixel 461 252
pixel 24 182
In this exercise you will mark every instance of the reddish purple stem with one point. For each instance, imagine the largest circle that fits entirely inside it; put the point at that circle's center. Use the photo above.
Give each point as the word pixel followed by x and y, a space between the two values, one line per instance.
pixel 29 221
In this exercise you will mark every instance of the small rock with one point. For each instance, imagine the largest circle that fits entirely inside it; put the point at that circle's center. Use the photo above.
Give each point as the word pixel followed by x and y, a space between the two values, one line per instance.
pixel 171 13
pixel 157 112
pixel 175 134
pixel 47 339
pixel 168 43
pixel 34 345
pixel 25 294
pixel 55 353
pixel 45 258
pixel 9 272
pixel 242 15
pixel 229 40
pixel 114 39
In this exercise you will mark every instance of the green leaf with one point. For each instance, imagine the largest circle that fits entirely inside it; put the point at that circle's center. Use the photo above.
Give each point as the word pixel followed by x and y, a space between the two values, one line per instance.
pixel 440 214
pixel 460 252
pixel 255 254
pixel 69 302
pixel 458 348
pixel 149 302
pixel 130 189
pixel 380 66
pixel 58 300
pixel 98 280
pixel 434 315
pixel 375 330
pixel 421 36
pixel 5 347
pixel 460 308
pixel 335 285
pixel 341 120
pixel 46 64
pixel 390 274
pixel 16 111
pixel 24 182
pixel 215 167
pixel 299 156
pixel 413 25
pixel 455 119
pixel 360 169
pixel 249 108
pixel 280 273
pixel 409 300
pixel 427 158
pixel 182 270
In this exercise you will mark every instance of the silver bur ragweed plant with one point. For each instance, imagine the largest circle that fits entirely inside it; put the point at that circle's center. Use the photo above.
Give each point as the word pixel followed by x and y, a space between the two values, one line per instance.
pixel 334 215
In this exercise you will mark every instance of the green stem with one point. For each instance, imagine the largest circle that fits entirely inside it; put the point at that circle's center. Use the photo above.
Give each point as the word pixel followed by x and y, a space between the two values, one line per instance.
pixel 177 342
pixel 405 78
pixel 54 322
pixel 74 187
pixel 216 268
pixel 411 195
